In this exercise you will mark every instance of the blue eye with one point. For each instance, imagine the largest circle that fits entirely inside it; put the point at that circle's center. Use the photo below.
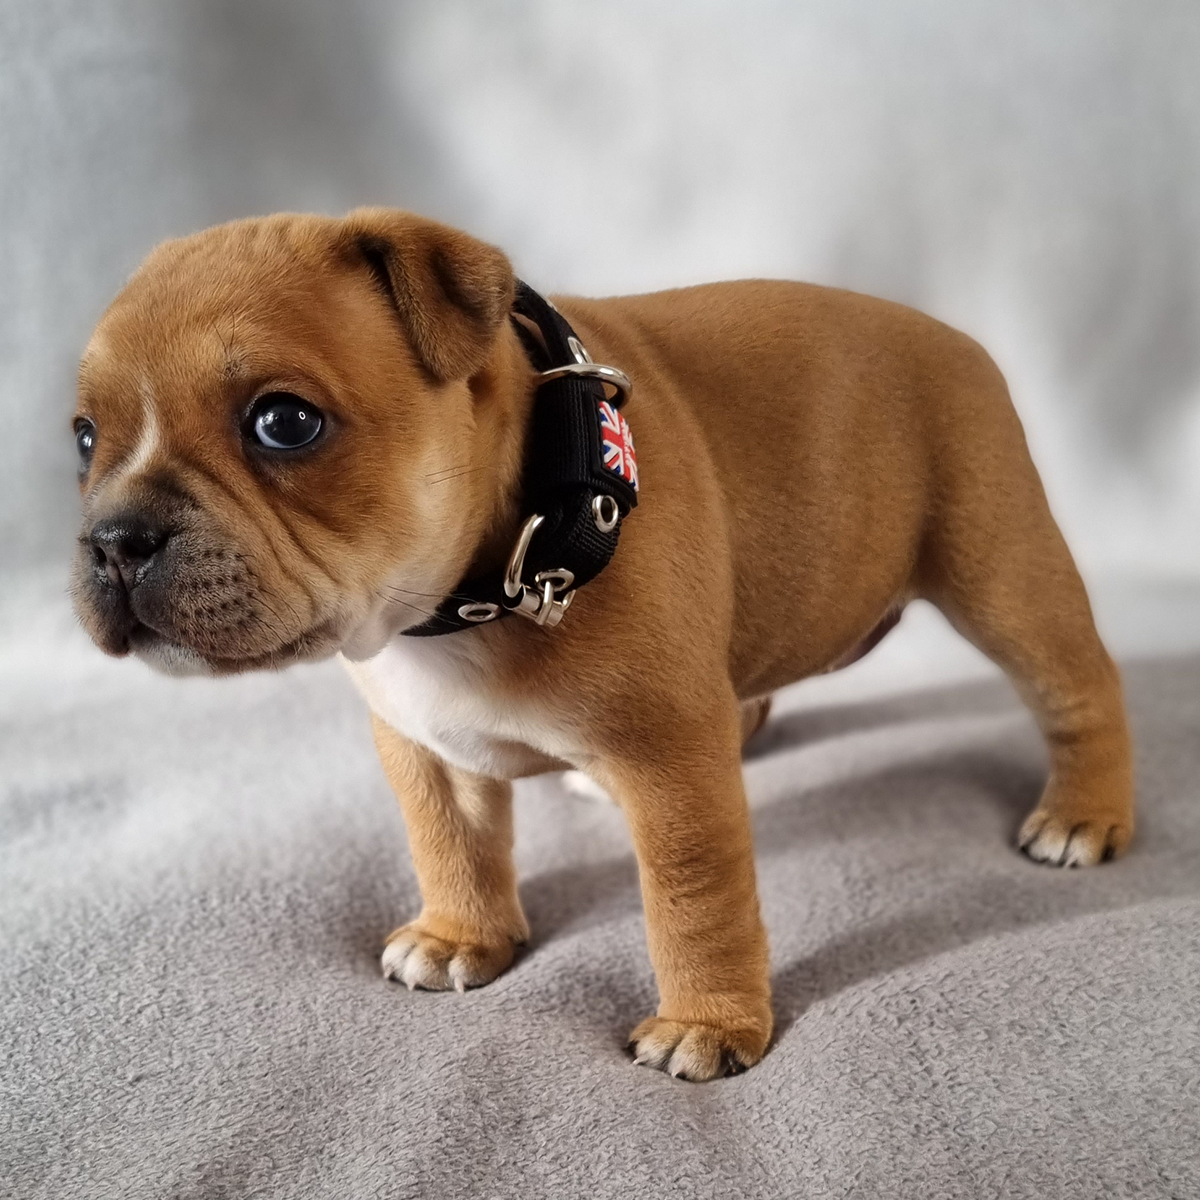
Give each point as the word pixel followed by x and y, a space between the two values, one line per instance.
pixel 282 421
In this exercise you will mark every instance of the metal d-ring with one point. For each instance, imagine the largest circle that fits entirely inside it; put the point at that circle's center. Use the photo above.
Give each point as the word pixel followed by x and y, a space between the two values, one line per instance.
pixel 590 370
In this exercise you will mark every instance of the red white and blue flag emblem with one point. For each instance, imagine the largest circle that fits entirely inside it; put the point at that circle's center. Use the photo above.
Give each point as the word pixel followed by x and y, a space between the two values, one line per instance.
pixel 616 444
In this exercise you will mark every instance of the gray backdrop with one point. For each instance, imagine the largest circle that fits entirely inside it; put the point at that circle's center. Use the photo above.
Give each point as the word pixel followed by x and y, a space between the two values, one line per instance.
pixel 1028 171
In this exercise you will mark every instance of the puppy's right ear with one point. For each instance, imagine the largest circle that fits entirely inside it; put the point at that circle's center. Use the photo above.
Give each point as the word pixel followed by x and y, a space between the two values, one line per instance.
pixel 451 291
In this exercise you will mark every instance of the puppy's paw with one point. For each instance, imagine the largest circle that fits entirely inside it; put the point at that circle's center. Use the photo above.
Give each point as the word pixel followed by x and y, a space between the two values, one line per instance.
pixel 1058 837
pixel 420 960
pixel 690 1050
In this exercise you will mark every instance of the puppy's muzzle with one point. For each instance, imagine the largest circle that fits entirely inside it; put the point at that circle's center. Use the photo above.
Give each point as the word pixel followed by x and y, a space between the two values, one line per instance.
pixel 126 547
pixel 156 575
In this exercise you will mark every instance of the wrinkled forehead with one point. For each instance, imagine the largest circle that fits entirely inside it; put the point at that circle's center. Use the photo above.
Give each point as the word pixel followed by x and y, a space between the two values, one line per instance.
pixel 136 353
pixel 183 317
pixel 252 298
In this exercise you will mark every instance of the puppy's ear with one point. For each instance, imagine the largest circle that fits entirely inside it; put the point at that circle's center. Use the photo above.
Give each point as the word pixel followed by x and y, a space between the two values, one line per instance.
pixel 451 291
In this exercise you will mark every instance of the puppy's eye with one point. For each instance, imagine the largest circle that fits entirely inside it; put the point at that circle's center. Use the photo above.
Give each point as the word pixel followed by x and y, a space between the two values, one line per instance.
pixel 281 421
pixel 85 440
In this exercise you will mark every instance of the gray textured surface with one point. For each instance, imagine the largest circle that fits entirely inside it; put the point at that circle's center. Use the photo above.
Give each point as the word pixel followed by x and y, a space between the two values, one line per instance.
pixel 196 877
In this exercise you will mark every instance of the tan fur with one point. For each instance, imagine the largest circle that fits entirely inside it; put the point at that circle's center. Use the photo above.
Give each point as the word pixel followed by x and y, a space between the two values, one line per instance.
pixel 810 460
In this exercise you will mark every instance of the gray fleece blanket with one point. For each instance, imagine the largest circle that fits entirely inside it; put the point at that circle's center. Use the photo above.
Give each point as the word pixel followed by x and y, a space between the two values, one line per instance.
pixel 196 879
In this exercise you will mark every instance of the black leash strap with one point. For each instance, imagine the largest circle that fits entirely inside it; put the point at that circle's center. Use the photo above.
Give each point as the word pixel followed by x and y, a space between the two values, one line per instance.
pixel 579 483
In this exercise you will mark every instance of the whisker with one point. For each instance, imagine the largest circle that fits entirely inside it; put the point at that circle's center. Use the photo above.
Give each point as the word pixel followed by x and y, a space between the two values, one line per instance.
pixel 443 470
pixel 415 607
pixel 439 596
pixel 280 623
pixel 458 475
pixel 260 596
pixel 425 595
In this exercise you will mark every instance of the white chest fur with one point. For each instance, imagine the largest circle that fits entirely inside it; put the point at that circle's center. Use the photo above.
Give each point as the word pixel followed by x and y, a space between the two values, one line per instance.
pixel 437 692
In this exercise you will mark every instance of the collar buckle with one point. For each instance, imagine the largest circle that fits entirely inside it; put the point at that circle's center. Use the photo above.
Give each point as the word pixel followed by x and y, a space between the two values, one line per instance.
pixel 547 602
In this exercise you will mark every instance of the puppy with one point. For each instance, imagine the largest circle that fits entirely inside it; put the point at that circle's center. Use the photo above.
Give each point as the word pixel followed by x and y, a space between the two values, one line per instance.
pixel 303 436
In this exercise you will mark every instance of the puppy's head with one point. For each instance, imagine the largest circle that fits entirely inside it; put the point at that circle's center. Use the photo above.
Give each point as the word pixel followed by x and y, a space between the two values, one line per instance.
pixel 289 434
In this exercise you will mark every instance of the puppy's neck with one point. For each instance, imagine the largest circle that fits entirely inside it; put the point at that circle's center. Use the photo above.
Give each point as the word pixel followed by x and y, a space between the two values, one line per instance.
pixel 503 393
pixel 487 505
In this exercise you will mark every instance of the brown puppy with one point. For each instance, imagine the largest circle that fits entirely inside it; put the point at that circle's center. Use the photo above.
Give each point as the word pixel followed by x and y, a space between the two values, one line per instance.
pixel 810 460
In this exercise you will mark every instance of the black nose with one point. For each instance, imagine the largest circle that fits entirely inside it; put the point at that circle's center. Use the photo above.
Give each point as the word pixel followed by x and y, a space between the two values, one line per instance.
pixel 123 544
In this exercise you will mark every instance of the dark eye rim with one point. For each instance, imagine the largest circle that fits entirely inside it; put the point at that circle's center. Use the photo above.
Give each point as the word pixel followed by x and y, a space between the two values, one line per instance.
pixel 78 425
pixel 263 400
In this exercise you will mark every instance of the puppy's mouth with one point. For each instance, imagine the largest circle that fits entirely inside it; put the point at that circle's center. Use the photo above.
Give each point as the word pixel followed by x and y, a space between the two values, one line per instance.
pixel 178 658
pixel 192 623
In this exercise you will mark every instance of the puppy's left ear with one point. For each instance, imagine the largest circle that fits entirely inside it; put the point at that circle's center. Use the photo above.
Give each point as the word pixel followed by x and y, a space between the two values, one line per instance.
pixel 451 291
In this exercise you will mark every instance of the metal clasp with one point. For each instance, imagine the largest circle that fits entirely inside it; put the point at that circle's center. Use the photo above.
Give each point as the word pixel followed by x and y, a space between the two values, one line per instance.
pixel 546 605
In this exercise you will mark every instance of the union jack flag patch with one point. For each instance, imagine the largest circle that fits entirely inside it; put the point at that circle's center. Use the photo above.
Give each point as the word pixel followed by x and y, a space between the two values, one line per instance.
pixel 616 444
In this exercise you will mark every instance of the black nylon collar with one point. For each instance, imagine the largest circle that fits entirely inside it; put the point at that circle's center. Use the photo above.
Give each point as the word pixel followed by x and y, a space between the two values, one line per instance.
pixel 580 477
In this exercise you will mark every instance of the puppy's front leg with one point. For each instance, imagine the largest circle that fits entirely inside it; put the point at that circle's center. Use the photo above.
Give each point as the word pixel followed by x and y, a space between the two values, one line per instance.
pixel 691 829
pixel 460 834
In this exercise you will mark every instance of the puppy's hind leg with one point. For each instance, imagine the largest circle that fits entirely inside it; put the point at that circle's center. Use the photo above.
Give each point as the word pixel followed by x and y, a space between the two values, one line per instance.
pixel 998 567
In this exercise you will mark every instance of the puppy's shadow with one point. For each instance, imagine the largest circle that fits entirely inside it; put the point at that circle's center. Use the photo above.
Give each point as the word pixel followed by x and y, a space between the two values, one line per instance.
pixel 975 698
pixel 978 698
pixel 947 805
pixel 578 899
pixel 938 797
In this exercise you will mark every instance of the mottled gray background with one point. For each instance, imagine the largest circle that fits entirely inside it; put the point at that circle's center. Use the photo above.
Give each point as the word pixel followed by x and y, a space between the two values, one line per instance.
pixel 1028 171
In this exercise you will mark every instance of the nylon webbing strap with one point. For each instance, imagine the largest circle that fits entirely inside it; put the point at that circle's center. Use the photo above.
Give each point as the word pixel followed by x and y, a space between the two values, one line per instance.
pixel 573 428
